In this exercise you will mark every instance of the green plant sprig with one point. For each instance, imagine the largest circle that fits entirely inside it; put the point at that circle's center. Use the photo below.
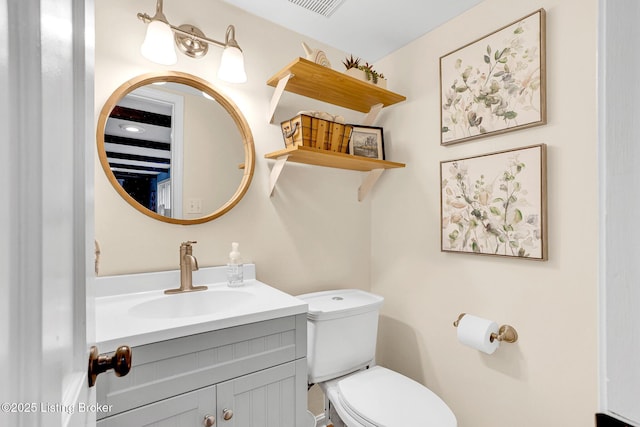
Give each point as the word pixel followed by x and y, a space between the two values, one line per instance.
pixel 370 73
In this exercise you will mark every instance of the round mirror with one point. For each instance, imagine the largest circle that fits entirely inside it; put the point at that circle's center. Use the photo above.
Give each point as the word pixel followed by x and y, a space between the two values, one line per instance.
pixel 175 148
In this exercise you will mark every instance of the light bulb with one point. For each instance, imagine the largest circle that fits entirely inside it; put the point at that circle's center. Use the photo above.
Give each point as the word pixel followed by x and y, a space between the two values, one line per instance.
pixel 158 44
pixel 232 66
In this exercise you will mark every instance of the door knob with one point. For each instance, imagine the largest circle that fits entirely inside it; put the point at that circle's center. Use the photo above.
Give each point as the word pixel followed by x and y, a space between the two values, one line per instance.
pixel 227 414
pixel 209 420
pixel 120 362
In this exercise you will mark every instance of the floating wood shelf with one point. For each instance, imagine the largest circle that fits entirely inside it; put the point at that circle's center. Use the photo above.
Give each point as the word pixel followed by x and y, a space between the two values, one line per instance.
pixel 309 79
pixel 317 157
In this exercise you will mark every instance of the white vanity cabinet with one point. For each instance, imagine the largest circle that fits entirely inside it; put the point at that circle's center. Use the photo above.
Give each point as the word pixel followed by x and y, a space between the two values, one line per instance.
pixel 184 410
pixel 253 374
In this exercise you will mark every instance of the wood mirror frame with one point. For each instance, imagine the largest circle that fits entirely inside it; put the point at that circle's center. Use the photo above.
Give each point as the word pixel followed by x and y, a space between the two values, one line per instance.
pixel 199 84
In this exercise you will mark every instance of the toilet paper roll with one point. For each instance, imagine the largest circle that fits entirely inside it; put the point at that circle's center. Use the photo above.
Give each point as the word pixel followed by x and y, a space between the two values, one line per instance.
pixel 476 333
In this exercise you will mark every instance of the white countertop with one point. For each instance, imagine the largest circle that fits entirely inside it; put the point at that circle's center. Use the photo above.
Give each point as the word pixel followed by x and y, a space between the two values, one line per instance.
pixel 116 296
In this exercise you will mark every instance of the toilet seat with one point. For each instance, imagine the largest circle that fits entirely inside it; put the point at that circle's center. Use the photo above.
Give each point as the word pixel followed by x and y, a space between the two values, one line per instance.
pixel 379 397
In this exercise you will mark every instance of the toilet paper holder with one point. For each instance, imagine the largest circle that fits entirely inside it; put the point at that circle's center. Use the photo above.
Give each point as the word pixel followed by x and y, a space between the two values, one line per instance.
pixel 506 333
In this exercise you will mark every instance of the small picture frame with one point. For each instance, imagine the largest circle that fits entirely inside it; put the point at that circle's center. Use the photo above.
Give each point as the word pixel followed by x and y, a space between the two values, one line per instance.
pixel 367 141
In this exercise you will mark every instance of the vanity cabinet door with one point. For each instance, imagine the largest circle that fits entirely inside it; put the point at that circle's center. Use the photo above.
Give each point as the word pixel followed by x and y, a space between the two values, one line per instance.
pixel 266 398
pixel 185 410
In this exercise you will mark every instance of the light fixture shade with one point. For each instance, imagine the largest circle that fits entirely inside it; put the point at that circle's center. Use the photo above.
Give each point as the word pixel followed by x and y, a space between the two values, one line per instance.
pixel 158 44
pixel 232 66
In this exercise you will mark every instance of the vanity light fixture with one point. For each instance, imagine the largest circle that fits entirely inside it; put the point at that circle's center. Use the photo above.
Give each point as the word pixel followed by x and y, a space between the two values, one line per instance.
pixel 158 45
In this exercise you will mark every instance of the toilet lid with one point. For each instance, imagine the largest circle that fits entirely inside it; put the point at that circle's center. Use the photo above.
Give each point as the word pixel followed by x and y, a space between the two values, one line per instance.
pixel 384 398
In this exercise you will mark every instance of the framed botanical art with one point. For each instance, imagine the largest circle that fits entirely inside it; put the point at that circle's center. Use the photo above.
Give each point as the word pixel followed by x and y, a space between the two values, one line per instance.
pixel 367 141
pixel 495 204
pixel 495 84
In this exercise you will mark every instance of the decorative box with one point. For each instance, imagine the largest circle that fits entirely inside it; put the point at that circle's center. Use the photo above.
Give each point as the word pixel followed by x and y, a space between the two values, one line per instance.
pixel 317 133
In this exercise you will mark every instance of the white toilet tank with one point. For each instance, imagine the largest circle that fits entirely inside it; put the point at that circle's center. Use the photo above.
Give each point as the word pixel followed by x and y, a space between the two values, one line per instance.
pixel 342 328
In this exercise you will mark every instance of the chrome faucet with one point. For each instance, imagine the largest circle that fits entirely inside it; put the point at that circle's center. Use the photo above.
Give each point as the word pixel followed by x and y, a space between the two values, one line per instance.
pixel 188 264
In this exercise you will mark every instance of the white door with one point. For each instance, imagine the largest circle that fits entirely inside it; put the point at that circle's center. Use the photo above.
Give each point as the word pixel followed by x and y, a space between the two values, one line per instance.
pixel 46 213
pixel 619 155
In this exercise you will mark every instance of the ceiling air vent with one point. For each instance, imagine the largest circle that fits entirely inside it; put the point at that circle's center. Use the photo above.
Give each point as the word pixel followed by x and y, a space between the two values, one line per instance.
pixel 321 7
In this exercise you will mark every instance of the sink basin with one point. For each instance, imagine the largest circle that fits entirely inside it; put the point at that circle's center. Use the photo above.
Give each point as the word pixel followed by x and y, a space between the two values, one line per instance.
pixel 191 304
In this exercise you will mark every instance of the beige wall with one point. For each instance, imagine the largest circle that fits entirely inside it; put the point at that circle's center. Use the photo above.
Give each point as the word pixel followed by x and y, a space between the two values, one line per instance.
pixel 550 376
pixel 313 234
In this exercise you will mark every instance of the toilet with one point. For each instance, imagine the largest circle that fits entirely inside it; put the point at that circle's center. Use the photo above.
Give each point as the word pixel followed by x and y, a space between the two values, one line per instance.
pixel 342 328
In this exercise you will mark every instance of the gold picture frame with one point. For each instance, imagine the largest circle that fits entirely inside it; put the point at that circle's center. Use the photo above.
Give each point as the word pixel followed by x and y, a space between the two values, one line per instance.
pixel 496 204
pixel 495 84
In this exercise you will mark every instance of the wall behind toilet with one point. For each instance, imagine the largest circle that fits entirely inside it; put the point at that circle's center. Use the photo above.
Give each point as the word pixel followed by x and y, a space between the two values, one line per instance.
pixel 549 377
pixel 312 234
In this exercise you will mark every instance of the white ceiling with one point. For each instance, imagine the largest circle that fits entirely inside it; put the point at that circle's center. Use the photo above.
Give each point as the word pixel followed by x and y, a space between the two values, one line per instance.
pixel 370 29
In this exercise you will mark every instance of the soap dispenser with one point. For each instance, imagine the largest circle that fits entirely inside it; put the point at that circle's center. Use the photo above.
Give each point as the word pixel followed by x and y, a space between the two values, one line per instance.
pixel 234 267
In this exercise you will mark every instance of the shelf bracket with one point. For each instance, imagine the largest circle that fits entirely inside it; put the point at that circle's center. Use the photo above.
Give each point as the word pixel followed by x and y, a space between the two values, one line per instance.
pixel 372 115
pixel 277 94
pixel 275 172
pixel 368 183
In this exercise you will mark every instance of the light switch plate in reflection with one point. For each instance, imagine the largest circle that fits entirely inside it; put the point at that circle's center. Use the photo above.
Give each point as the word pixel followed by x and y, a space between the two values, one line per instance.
pixel 194 206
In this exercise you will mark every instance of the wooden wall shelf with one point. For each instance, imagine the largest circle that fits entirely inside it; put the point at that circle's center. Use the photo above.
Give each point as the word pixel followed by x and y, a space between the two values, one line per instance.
pixel 314 156
pixel 309 79
pixel 306 78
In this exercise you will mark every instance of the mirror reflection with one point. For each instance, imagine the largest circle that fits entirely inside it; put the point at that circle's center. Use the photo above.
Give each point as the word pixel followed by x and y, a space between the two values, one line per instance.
pixel 176 149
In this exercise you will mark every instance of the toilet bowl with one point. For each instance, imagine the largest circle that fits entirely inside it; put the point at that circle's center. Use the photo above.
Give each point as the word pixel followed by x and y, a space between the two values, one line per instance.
pixel 341 335
pixel 310 420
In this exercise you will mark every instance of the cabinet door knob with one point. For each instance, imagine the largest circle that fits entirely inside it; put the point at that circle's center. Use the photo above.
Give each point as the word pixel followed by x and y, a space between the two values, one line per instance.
pixel 209 420
pixel 227 414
